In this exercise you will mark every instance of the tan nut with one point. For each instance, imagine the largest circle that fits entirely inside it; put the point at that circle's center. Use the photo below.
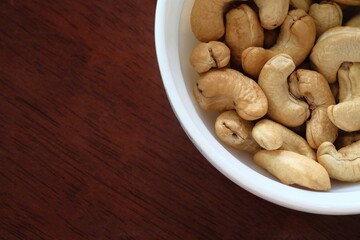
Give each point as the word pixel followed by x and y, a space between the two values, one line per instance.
pixel 354 21
pixel 302 4
pixel 226 89
pixel 207 19
pixel 315 89
pixel 283 107
pixel 349 2
pixel 236 132
pixel 297 37
pixel 344 164
pixel 346 114
pixel 271 135
pixel 349 81
pixel 272 13
pixel 335 46
pixel 209 55
pixel 326 15
pixel 243 30
pixel 293 168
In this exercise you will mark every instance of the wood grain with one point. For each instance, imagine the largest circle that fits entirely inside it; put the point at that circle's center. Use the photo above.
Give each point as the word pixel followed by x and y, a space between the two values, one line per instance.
pixel 91 149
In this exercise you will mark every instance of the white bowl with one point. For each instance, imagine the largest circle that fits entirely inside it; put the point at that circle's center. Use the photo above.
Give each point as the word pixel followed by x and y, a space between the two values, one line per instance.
pixel 174 43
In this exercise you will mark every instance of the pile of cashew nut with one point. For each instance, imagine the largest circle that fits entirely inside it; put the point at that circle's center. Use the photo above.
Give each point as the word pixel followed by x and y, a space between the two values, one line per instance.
pixel 284 77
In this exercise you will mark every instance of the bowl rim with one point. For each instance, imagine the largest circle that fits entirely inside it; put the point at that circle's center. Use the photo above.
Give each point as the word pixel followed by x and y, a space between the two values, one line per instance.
pixel 167 37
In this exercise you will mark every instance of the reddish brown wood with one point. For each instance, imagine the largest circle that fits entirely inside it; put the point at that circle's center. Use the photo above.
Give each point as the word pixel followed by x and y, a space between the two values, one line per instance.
pixel 90 147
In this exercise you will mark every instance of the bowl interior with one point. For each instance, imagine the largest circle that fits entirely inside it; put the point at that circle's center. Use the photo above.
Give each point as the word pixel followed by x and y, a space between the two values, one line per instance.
pixel 174 43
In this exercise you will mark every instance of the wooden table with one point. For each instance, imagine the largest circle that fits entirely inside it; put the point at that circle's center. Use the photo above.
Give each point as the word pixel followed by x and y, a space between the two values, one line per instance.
pixel 91 149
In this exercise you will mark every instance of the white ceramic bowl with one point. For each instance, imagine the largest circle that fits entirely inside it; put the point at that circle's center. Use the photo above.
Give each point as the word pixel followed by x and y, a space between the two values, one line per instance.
pixel 174 43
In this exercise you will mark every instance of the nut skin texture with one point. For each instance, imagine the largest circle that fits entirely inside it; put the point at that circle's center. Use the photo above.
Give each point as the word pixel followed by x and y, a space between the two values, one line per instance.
pixel 227 89
pixel 293 168
pixel 302 4
pixel 343 165
pixel 346 114
pixel 334 47
pixel 271 135
pixel 209 55
pixel 235 132
pixel 315 89
pixel 243 30
pixel 272 13
pixel 296 38
pixel 326 15
pixel 349 2
pixel 283 107
pixel 206 19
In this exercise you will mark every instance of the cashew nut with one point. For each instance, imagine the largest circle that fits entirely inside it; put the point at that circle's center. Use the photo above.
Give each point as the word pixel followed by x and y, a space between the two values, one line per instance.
pixel 289 97
pixel 344 164
pixel 346 114
pixel 335 46
pixel 207 22
pixel 243 30
pixel 349 81
pixel 302 4
pixel 293 168
pixel 315 89
pixel 354 21
pixel 272 13
pixel 283 107
pixel 272 136
pixel 349 2
pixel 226 89
pixel 236 132
pixel 209 55
pixel 297 37
pixel 326 15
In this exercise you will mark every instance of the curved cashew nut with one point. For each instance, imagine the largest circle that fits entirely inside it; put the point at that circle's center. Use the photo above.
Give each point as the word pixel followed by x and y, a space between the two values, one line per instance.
pixel 346 114
pixel 272 13
pixel 209 55
pixel 272 136
pixel 315 89
pixel 207 19
pixel 283 107
pixel 354 21
pixel 226 89
pixel 297 37
pixel 293 168
pixel 344 164
pixel 243 30
pixel 236 132
pixel 302 4
pixel 326 15
pixel 335 46
pixel 349 2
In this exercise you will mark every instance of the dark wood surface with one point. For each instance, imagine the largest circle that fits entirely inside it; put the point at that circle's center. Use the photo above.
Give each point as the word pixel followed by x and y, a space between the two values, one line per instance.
pixel 91 149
